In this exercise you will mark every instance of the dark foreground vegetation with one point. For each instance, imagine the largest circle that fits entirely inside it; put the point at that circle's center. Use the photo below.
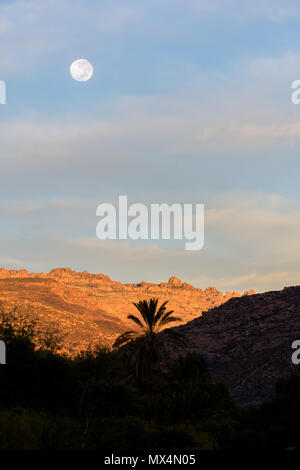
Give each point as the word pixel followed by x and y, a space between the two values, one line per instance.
pixel 98 401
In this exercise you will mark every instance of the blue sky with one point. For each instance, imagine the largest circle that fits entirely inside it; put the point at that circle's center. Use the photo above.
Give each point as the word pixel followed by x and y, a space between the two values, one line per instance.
pixel 190 102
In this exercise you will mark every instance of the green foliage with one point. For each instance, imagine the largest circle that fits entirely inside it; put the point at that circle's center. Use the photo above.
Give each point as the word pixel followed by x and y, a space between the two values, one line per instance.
pixel 22 429
pixel 50 401
pixel 274 425
pixel 131 431
pixel 21 326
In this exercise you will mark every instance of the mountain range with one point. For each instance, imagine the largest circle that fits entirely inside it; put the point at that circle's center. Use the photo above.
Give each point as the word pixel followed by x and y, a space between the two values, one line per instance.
pixel 245 338
pixel 89 309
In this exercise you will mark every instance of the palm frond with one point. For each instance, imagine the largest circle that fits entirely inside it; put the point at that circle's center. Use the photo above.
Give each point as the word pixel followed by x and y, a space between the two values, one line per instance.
pixel 136 320
pixel 163 319
pixel 147 309
pixel 142 308
pixel 160 312
pixel 168 320
pixel 124 338
pixel 167 314
pixel 152 310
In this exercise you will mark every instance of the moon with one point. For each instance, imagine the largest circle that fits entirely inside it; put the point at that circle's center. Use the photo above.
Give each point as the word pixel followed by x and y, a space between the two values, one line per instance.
pixel 81 70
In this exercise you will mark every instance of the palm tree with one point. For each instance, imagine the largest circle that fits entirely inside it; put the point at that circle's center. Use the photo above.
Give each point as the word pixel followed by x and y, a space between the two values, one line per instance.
pixel 149 348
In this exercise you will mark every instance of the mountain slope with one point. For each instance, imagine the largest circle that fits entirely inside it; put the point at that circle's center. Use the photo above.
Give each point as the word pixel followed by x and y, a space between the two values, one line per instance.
pixel 247 341
pixel 91 308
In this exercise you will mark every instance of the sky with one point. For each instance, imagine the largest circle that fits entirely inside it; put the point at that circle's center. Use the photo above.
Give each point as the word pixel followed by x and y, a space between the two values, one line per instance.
pixel 190 102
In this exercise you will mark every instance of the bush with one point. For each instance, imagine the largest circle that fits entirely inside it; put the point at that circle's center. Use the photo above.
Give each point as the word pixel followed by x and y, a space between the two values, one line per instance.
pixel 23 429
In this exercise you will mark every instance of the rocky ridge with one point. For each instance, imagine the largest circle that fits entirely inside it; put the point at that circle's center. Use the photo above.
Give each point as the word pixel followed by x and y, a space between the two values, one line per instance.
pixel 91 308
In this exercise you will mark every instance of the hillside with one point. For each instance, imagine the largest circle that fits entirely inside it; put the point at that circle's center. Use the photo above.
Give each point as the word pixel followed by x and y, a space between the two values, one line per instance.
pixel 247 341
pixel 91 308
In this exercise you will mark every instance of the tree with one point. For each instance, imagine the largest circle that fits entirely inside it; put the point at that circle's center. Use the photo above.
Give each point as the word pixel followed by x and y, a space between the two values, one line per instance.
pixel 148 344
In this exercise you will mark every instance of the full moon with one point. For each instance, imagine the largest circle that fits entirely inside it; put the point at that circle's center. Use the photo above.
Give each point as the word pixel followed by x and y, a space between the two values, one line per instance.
pixel 81 70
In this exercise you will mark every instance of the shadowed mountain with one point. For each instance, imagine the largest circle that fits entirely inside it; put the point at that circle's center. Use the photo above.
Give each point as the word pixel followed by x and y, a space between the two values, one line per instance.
pixel 247 341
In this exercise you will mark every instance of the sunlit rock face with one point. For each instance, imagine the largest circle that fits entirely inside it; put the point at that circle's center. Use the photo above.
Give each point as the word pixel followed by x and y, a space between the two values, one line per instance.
pixel 91 308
